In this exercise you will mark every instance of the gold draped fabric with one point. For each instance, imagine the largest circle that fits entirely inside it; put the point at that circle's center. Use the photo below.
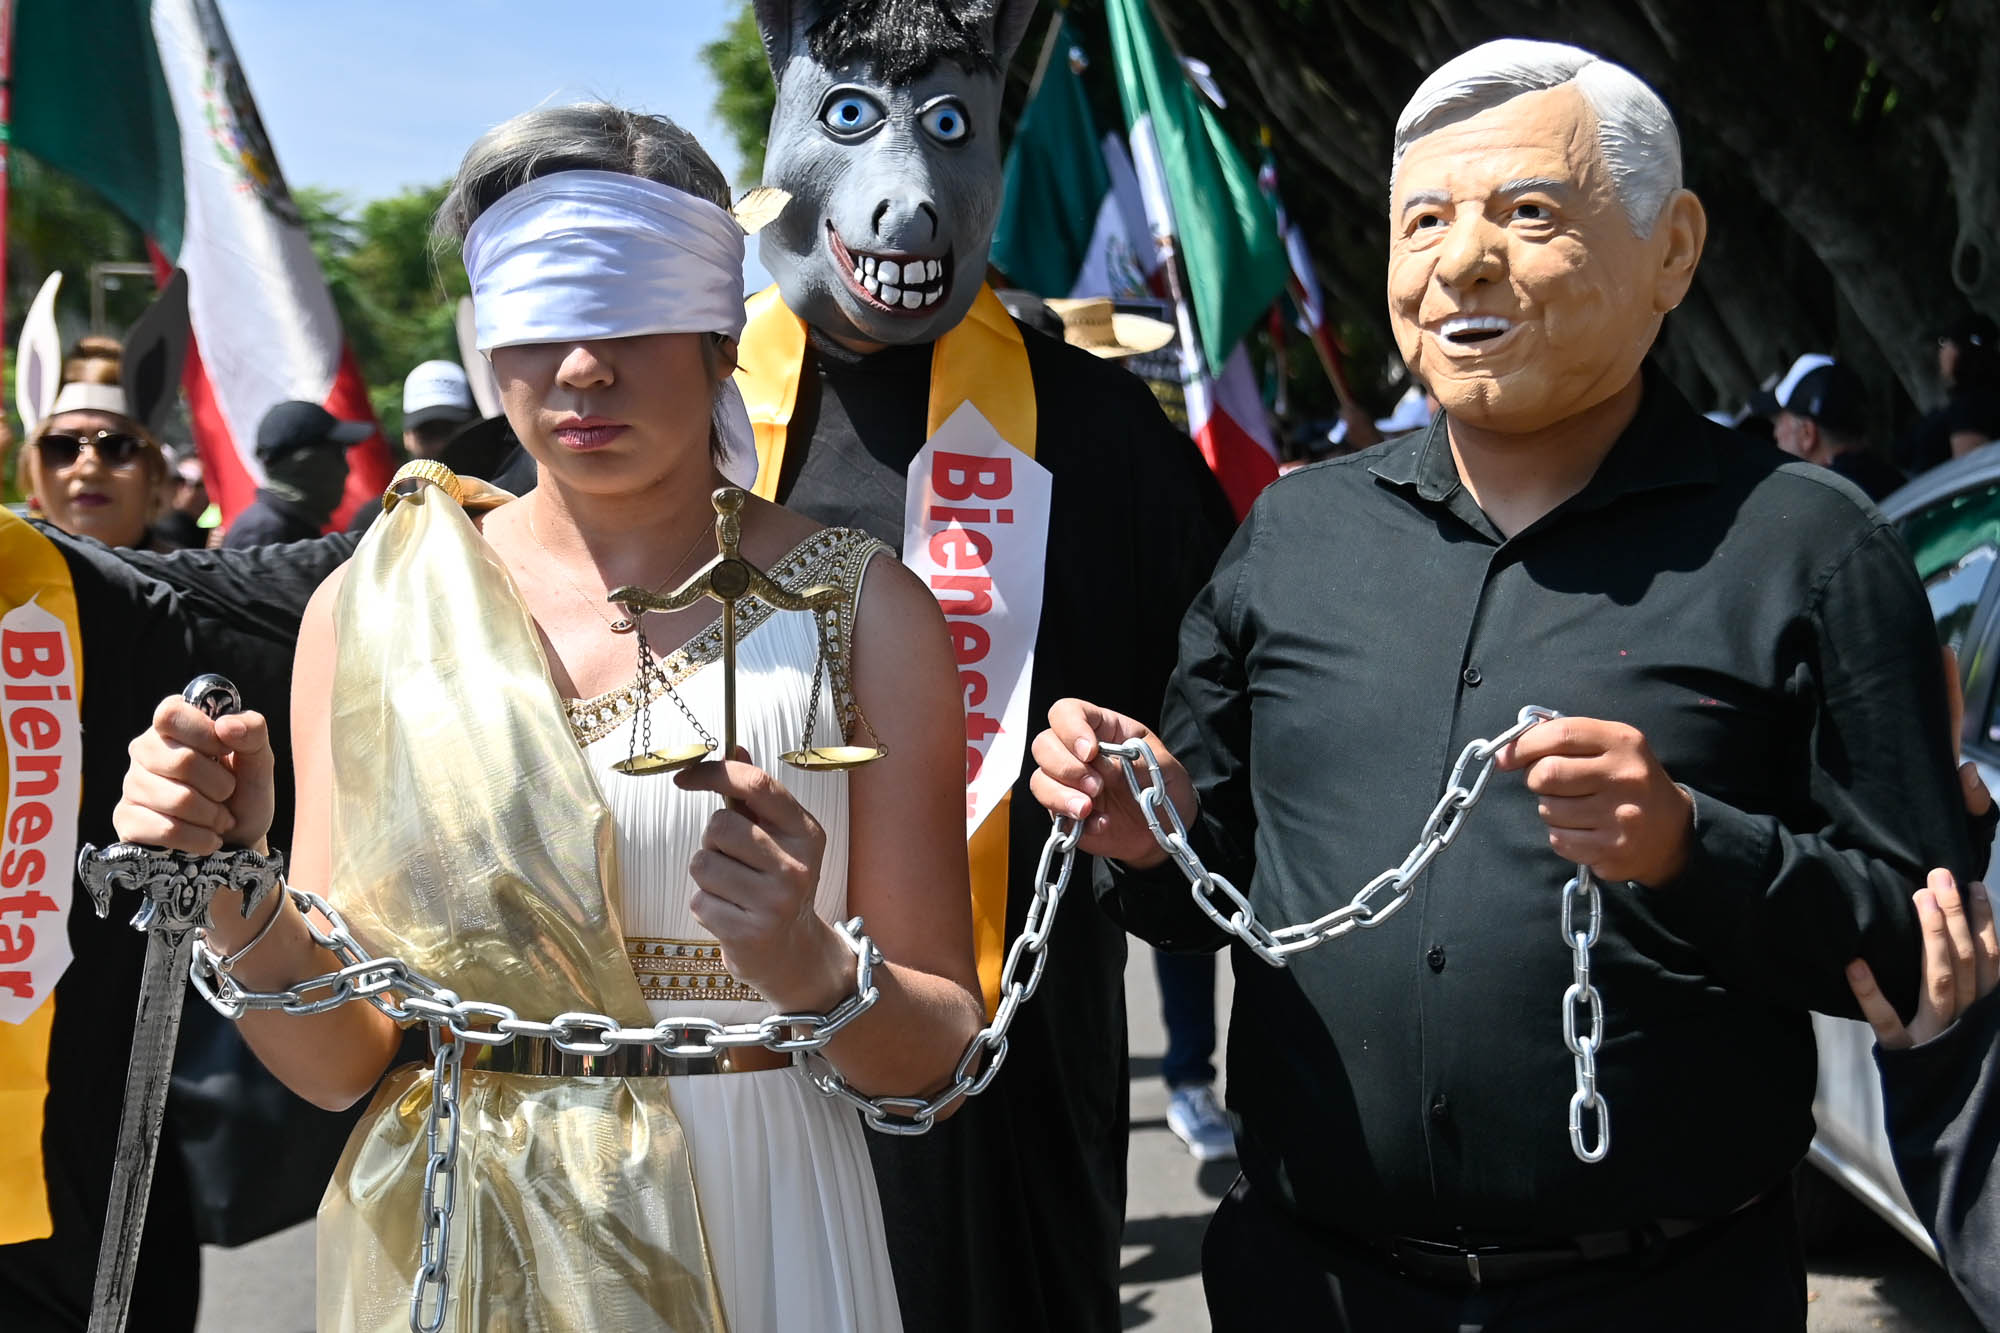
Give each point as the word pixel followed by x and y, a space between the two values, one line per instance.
pixel 470 841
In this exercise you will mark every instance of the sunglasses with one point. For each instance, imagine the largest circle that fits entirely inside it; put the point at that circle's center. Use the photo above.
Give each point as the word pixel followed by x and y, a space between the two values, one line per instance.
pixel 114 448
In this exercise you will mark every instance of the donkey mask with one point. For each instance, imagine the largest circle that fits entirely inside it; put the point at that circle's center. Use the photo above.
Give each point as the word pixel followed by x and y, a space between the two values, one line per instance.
pixel 887 136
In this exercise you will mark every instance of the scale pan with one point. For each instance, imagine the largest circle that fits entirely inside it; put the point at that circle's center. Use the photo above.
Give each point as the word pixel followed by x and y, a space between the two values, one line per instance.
pixel 663 761
pixel 834 756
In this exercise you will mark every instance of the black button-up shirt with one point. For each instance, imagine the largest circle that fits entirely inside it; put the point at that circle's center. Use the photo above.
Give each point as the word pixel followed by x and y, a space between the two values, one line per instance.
pixel 1756 618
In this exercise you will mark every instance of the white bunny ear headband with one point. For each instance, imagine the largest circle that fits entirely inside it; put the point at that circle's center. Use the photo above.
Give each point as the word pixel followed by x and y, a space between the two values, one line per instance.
pixel 152 357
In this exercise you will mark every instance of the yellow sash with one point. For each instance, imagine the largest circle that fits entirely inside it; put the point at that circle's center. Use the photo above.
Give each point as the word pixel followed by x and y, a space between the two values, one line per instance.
pixel 983 362
pixel 31 569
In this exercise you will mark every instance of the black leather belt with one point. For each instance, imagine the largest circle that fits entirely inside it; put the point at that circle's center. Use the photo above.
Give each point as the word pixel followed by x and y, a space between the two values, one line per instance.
pixel 1465 1265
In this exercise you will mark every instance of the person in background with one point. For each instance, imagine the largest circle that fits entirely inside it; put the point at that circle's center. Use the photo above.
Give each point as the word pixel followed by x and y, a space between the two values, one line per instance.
pixel 1824 420
pixel 437 404
pixel 90 470
pixel 185 493
pixel 1187 980
pixel 1968 361
pixel 1941 1084
pixel 304 452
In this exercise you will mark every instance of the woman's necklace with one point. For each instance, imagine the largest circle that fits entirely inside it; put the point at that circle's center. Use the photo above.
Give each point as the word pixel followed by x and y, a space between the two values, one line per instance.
pixel 621 625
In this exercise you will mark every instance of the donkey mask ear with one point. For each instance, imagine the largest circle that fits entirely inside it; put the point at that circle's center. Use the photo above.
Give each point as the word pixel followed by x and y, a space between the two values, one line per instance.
pixel 154 350
pixel 38 359
pixel 783 25
pixel 1008 24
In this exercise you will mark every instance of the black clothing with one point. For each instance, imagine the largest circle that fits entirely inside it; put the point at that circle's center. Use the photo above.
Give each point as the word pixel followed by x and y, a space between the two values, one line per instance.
pixel 1928 443
pixel 1743 1274
pixel 1875 475
pixel 1187 1012
pixel 1008 1215
pixel 149 623
pixel 175 531
pixel 270 520
pixel 1942 1101
pixel 1756 619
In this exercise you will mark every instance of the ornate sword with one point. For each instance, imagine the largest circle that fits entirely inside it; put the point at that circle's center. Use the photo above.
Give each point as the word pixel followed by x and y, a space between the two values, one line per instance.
pixel 176 888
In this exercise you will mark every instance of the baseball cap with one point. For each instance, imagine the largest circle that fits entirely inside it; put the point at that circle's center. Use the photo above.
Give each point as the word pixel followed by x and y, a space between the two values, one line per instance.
pixel 302 425
pixel 437 391
pixel 1833 396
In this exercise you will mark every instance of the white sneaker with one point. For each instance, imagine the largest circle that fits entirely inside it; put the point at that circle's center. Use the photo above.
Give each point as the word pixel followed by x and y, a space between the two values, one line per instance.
pixel 1199 1121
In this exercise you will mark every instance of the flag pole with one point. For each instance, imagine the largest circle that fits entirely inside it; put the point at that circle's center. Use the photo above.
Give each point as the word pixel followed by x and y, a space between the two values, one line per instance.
pixel 6 135
pixel 1041 61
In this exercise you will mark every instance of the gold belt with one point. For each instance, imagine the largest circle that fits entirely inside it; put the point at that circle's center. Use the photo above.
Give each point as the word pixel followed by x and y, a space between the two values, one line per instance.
pixel 542 1057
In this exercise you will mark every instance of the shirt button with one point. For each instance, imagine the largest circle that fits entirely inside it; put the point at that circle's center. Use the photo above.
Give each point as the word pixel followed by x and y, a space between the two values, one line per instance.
pixel 1440 1110
pixel 1471 675
pixel 1435 958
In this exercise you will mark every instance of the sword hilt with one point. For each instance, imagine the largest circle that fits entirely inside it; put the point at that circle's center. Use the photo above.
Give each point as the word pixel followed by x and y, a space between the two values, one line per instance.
pixel 177 886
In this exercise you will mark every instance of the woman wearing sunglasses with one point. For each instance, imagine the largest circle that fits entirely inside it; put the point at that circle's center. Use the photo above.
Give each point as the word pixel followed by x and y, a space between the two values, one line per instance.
pixel 92 464
pixel 91 472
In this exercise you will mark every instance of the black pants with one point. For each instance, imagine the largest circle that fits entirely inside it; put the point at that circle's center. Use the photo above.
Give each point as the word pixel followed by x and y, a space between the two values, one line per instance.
pixel 1262 1272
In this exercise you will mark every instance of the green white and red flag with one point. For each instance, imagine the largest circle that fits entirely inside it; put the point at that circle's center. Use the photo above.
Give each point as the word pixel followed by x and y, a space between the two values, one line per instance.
pixel 144 101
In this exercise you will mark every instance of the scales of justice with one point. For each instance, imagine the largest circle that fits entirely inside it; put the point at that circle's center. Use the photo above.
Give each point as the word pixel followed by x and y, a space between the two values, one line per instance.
pixel 728 578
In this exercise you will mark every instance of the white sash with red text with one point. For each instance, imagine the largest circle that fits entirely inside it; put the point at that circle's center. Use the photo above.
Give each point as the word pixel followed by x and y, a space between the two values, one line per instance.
pixel 44 754
pixel 976 531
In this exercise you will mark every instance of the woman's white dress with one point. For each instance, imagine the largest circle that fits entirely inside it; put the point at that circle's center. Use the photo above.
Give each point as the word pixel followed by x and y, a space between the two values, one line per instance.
pixel 788 1199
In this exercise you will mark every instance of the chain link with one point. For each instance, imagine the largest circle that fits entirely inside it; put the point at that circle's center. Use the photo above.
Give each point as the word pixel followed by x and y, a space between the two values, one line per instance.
pixel 1586 1100
pixel 986 1051
pixel 406 995
pixel 1383 896
pixel 430 1296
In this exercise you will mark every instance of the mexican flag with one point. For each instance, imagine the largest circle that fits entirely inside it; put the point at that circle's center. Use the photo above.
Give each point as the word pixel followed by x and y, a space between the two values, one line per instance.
pixel 1075 220
pixel 1225 232
pixel 164 128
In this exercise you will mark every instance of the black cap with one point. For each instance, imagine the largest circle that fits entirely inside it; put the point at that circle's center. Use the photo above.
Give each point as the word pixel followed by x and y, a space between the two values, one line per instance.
pixel 1834 397
pixel 302 425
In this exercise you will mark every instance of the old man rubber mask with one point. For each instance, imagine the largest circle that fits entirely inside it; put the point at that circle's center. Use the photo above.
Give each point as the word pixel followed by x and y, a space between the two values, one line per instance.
pixel 887 136
pixel 1529 267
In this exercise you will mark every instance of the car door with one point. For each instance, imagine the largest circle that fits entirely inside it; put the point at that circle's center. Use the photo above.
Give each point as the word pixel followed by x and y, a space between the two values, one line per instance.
pixel 1954 538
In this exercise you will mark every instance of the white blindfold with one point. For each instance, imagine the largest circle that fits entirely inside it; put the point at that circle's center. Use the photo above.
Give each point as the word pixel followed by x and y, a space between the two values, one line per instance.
pixel 582 255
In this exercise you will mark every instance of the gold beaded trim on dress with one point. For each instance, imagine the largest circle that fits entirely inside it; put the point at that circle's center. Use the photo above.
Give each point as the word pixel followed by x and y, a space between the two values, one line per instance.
pixel 679 971
pixel 831 555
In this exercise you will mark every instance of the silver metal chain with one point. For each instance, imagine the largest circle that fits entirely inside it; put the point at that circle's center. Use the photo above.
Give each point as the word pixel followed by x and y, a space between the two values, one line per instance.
pixel 1586 1100
pixel 1383 896
pixel 430 1297
pixel 975 1068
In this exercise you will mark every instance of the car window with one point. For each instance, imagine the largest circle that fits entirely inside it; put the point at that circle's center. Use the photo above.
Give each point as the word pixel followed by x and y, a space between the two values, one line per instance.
pixel 1943 534
pixel 1954 543
pixel 1954 595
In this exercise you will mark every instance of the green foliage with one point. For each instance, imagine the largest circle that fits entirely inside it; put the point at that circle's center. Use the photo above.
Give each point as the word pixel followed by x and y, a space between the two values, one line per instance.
pixel 55 222
pixel 395 294
pixel 744 93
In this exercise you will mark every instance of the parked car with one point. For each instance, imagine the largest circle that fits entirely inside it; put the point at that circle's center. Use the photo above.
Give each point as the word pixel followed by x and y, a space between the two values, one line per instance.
pixel 1950 519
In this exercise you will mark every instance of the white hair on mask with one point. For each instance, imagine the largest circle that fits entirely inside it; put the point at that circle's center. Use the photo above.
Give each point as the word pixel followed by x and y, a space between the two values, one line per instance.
pixel 1635 133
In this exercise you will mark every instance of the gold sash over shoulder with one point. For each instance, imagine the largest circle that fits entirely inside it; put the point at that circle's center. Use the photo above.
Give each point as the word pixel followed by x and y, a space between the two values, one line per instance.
pixel 470 841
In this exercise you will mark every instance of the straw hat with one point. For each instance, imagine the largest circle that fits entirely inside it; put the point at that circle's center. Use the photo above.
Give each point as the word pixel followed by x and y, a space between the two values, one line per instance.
pixel 1094 325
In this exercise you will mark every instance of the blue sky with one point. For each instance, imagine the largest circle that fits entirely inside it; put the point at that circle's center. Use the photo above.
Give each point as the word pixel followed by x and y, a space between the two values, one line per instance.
pixel 368 96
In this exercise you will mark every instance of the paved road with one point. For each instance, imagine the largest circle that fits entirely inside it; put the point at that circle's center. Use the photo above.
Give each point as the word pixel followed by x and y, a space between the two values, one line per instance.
pixel 1869 1282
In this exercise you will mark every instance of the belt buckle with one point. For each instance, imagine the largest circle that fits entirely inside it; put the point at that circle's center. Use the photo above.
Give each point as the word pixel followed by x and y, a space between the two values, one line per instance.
pixel 1472 1266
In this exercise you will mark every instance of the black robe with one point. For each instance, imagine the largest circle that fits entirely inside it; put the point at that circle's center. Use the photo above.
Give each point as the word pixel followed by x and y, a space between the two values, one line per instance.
pixel 149 623
pixel 1008 1216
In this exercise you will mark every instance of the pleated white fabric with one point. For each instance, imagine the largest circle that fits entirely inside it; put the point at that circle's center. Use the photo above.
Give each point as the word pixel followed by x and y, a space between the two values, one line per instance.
pixel 788 1199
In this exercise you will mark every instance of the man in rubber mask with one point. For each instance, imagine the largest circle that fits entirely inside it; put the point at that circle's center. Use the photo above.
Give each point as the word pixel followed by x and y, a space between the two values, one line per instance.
pixel 1063 524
